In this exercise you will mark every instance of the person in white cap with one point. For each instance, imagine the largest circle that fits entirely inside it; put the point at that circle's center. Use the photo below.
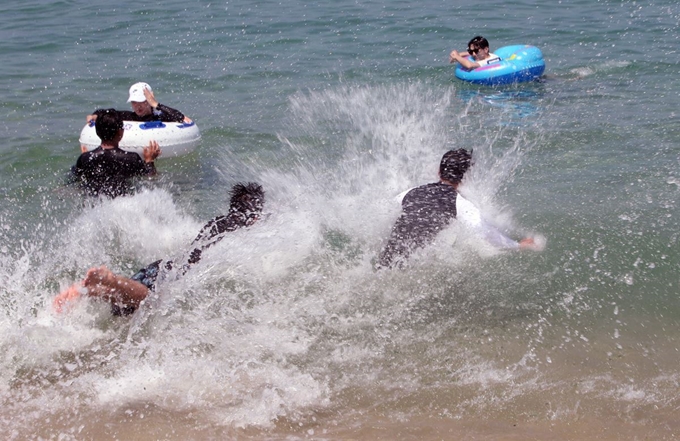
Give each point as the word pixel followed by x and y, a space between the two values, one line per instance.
pixel 145 107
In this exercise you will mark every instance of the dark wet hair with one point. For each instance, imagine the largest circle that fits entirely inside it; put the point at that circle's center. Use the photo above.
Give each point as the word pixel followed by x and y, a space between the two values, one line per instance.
pixel 478 42
pixel 108 123
pixel 454 164
pixel 247 198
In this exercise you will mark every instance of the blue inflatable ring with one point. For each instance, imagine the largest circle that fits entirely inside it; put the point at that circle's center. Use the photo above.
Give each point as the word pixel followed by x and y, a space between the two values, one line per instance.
pixel 517 64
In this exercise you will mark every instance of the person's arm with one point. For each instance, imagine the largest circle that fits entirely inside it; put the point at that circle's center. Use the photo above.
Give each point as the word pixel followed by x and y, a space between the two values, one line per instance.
pixel 168 114
pixel 499 240
pixel 102 283
pixel 165 113
pixel 462 59
pixel 471 217
pixel 78 169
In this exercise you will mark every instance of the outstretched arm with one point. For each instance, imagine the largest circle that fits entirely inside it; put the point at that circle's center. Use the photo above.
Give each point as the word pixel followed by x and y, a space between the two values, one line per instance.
pixel 470 215
pixel 101 282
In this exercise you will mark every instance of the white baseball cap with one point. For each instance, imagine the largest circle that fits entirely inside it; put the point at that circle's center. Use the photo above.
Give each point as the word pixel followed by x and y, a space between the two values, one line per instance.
pixel 137 92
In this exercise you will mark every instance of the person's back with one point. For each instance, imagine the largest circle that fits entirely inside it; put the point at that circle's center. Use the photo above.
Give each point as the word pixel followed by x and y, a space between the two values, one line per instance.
pixel 107 172
pixel 426 210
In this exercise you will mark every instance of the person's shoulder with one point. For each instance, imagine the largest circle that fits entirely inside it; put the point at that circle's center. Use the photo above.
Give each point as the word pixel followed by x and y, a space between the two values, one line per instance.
pixel 429 191
pixel 440 187
pixel 119 151
pixel 419 190
pixel 119 154
pixel 462 203
pixel 84 156
pixel 428 188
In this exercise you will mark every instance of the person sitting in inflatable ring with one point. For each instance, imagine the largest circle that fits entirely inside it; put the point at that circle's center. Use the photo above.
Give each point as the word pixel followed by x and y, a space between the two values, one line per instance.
pixel 145 108
pixel 478 48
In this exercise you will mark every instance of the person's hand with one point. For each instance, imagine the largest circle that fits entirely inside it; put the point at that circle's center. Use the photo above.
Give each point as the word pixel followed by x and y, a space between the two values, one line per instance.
pixel 533 244
pixel 66 297
pixel 526 243
pixel 151 152
pixel 150 98
pixel 453 56
pixel 91 118
pixel 187 120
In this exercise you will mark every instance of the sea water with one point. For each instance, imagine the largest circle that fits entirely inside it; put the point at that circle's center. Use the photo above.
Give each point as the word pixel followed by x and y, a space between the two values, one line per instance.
pixel 286 330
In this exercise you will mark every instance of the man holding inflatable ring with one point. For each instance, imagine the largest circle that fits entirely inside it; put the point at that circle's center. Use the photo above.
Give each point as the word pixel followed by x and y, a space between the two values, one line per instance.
pixel 106 170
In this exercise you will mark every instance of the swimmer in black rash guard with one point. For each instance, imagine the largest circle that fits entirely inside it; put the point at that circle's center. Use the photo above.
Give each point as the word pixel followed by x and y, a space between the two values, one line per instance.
pixel 107 170
pixel 125 294
pixel 428 209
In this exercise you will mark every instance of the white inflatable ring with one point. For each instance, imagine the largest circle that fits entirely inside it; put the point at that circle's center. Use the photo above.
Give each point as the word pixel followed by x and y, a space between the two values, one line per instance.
pixel 174 139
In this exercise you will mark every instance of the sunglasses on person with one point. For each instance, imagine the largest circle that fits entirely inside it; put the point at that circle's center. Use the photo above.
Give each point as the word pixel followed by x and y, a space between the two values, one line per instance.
pixel 473 51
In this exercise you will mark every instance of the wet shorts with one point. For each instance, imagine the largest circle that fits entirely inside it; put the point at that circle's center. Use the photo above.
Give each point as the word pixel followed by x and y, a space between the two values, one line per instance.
pixel 147 277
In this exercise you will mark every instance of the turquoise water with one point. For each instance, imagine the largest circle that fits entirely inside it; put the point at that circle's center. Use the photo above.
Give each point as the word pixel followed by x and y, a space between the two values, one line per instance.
pixel 285 331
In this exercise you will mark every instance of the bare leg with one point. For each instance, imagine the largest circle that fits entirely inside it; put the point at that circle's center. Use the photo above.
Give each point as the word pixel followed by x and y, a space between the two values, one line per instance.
pixel 101 282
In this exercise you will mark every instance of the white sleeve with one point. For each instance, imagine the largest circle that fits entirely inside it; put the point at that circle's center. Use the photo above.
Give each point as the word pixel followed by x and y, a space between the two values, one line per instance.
pixel 400 197
pixel 471 217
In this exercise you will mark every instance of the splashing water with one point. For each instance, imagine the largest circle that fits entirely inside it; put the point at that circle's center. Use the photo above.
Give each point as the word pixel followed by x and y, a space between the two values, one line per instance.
pixel 289 315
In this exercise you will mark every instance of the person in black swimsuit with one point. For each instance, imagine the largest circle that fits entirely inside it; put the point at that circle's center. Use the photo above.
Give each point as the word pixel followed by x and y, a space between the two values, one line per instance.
pixel 107 170
pixel 426 210
pixel 125 294
pixel 145 108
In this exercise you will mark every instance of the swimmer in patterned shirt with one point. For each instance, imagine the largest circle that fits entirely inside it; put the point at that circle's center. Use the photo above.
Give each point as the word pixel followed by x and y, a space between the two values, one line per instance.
pixel 125 294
